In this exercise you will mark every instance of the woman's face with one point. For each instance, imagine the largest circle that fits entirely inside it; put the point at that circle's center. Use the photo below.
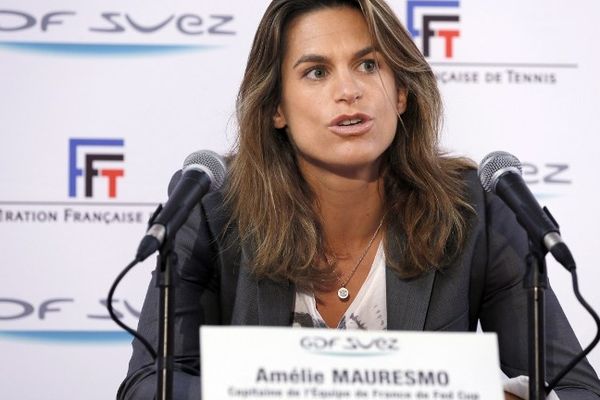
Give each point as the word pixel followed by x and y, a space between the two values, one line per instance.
pixel 339 101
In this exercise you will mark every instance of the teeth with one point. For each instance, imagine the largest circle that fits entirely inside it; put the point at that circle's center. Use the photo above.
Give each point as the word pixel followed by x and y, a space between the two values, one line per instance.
pixel 347 122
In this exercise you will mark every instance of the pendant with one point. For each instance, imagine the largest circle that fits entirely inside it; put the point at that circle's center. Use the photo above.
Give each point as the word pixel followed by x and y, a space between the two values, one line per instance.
pixel 343 293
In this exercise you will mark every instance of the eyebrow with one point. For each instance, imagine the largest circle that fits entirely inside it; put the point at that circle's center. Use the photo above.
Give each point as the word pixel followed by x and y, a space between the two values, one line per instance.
pixel 315 58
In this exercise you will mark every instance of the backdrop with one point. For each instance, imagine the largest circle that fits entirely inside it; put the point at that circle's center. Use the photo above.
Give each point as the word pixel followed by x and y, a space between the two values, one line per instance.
pixel 100 101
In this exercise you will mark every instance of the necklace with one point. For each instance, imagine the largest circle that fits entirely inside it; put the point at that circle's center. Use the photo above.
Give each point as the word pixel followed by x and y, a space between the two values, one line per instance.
pixel 343 292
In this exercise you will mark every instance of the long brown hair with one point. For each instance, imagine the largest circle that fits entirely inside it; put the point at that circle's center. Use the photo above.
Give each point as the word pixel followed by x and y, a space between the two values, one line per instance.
pixel 271 203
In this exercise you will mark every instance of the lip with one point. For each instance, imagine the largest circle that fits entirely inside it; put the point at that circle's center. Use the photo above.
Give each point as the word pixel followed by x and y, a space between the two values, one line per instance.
pixel 351 130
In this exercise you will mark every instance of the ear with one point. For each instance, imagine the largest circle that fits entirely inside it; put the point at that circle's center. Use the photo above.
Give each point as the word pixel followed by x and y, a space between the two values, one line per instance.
pixel 402 100
pixel 279 120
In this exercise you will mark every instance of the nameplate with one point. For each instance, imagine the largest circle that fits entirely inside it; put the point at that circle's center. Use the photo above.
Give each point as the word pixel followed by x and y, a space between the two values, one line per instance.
pixel 295 363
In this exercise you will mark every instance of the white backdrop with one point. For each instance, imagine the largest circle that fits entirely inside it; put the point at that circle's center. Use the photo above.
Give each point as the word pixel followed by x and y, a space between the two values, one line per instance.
pixel 145 83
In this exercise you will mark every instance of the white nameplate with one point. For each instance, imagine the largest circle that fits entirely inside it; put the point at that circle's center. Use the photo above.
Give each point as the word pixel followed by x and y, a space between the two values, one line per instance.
pixel 295 363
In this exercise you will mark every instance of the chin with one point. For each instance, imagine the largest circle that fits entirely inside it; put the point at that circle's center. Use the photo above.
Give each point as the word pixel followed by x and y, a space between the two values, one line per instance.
pixel 365 166
pixel 361 157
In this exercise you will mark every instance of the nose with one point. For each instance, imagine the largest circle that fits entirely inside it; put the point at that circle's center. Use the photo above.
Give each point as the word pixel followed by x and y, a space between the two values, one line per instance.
pixel 347 89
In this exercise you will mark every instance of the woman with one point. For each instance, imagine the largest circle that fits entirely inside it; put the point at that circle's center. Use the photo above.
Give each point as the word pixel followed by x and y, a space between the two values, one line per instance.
pixel 340 210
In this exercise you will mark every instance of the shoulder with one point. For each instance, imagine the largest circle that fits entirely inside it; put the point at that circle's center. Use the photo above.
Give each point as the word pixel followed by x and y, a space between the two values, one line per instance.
pixel 498 244
pixel 216 213
pixel 488 208
pixel 199 243
pixel 493 218
pixel 208 219
pixel 472 186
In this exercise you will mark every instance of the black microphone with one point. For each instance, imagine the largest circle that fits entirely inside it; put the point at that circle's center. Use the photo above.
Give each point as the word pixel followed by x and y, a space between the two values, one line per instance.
pixel 203 171
pixel 500 173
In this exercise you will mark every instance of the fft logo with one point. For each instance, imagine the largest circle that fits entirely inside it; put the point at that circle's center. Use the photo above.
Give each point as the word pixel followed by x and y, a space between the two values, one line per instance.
pixel 427 32
pixel 90 160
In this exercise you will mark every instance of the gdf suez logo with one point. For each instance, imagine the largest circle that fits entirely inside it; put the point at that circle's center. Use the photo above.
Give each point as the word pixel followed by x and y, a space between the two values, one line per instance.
pixel 435 12
pixel 85 157
pixel 349 345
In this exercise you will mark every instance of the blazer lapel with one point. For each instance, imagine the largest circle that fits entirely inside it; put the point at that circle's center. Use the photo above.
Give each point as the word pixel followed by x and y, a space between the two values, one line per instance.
pixel 262 302
pixel 407 301
pixel 275 303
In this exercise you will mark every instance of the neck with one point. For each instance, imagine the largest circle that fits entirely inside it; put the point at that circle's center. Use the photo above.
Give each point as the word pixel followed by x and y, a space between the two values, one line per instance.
pixel 350 206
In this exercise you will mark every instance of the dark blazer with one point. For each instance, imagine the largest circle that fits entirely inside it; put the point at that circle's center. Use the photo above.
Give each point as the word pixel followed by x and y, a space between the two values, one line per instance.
pixel 484 285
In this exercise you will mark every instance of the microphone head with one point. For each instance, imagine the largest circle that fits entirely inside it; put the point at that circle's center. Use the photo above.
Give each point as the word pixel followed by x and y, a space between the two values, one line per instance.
pixel 210 163
pixel 494 165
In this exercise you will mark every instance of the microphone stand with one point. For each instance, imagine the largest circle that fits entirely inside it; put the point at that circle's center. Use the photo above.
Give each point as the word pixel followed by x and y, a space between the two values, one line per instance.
pixel 536 281
pixel 166 261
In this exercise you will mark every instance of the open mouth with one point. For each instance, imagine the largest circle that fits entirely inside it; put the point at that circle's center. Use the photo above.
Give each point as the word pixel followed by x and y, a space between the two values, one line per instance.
pixel 350 122
pixel 351 125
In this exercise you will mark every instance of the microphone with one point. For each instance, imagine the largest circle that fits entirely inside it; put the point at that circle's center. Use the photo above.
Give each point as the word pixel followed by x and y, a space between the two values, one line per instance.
pixel 500 173
pixel 203 171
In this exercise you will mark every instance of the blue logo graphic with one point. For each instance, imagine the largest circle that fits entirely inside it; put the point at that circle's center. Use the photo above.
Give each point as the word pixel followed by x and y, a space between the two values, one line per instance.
pixel 102 49
pixel 72 337
pixel 88 171
pixel 427 33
